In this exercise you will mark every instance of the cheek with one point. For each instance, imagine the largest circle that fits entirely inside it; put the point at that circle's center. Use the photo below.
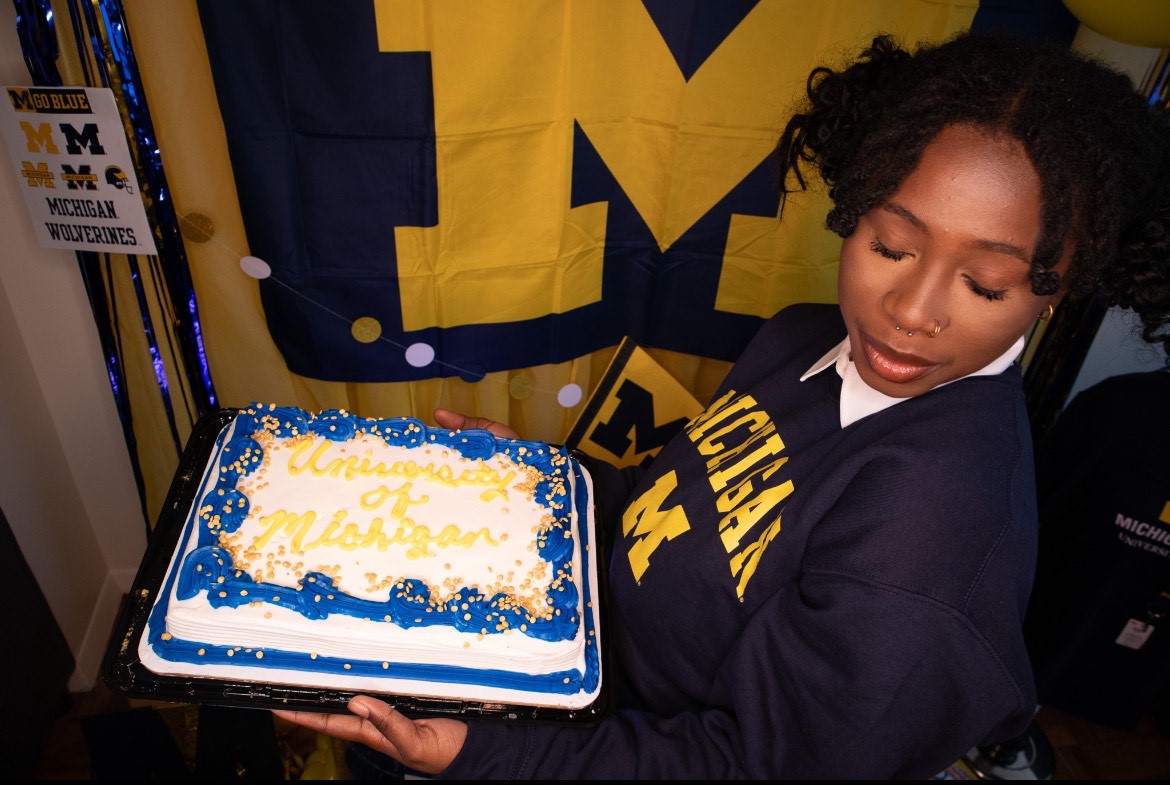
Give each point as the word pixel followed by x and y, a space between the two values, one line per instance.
pixel 857 282
pixel 1009 329
pixel 981 333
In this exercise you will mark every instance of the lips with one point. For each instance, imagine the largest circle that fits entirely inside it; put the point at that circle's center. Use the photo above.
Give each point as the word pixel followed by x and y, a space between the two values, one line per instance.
pixel 893 366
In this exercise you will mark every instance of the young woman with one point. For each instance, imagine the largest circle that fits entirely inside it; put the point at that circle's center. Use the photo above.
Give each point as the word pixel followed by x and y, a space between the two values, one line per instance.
pixel 826 574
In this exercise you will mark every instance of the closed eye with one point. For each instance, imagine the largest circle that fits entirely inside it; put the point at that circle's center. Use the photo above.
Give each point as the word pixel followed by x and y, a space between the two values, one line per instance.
pixel 877 247
pixel 994 295
pixel 982 291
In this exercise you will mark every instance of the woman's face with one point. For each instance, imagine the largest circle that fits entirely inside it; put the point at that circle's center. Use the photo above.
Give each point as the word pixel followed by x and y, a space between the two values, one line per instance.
pixel 950 249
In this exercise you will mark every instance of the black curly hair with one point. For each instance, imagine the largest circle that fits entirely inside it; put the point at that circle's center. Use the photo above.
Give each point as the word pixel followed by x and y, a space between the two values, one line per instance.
pixel 1102 154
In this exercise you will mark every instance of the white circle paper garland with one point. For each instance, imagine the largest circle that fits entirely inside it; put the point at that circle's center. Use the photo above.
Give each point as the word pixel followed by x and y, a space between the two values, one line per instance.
pixel 367 330
pixel 569 395
pixel 255 267
pixel 420 354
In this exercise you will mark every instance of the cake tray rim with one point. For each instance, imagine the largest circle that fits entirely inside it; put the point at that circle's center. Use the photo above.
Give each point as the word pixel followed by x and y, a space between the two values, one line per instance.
pixel 123 671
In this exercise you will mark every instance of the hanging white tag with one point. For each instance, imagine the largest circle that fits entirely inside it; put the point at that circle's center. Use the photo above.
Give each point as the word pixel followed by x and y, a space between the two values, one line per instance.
pixel 1135 634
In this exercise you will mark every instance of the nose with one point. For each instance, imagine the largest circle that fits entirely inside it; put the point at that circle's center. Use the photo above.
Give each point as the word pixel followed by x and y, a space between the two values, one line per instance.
pixel 916 304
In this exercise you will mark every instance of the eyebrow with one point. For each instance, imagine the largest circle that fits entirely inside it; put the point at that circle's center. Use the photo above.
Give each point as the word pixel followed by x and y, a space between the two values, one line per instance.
pixel 995 246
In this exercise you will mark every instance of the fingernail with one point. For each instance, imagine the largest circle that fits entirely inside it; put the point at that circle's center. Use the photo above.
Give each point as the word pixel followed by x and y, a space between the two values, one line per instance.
pixel 359 708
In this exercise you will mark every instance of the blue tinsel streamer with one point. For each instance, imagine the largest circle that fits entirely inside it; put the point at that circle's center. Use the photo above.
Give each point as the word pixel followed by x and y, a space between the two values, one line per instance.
pixel 35 24
pixel 179 287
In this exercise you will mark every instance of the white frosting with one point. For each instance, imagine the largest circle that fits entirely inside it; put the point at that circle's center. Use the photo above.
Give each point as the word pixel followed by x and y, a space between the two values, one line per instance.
pixel 433 523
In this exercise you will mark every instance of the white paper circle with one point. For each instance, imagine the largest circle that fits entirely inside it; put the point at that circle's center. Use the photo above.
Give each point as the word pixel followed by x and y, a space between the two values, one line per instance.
pixel 255 267
pixel 569 395
pixel 420 354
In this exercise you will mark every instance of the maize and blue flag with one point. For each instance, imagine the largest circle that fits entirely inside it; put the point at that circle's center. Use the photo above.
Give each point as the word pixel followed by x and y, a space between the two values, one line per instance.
pixel 506 184
pixel 451 189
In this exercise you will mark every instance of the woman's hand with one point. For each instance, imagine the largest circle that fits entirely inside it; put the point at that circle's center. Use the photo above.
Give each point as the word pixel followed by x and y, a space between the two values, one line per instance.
pixel 461 422
pixel 426 745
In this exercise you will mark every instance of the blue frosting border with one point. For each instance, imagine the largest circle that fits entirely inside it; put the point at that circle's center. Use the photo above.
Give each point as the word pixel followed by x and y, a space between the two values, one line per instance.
pixel 319 598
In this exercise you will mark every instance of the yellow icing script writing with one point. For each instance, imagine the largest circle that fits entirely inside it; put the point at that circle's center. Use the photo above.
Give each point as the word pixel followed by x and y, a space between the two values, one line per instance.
pixel 350 537
pixel 352 466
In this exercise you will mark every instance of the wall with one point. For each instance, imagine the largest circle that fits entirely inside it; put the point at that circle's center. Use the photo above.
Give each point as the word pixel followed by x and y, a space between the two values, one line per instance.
pixel 67 487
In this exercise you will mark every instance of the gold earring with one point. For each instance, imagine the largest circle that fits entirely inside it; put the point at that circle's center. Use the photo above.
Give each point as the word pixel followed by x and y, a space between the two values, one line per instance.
pixel 1046 314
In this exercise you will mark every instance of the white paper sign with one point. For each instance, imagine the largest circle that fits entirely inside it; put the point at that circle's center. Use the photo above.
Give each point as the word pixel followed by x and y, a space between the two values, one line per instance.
pixel 68 147
pixel 1135 634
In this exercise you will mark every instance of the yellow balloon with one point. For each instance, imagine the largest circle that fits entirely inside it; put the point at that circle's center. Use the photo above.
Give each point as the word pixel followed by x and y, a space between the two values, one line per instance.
pixel 1134 22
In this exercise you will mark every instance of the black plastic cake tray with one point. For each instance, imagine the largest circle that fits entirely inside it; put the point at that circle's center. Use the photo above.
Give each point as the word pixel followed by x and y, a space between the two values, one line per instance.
pixel 124 672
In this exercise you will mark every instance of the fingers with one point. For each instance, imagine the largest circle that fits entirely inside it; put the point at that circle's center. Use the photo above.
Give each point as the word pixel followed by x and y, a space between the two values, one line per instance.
pixel 341 726
pixel 445 418
pixel 383 728
pixel 372 723
pixel 425 745
pixel 461 422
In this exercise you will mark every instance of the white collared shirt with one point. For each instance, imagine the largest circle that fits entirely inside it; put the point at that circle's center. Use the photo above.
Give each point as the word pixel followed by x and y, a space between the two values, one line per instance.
pixel 858 399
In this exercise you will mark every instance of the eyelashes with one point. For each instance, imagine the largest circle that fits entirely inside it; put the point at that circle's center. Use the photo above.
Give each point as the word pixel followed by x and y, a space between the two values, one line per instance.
pixel 993 295
pixel 982 291
pixel 877 247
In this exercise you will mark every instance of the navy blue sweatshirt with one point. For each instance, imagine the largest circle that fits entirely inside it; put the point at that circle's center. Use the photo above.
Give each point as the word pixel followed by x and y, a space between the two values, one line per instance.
pixel 793 599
